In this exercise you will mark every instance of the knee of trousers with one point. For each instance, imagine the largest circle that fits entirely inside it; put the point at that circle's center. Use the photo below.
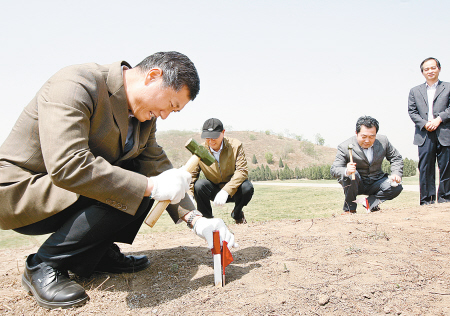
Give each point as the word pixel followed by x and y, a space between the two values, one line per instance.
pixel 202 187
pixel 390 191
pixel 247 189
pixel 396 190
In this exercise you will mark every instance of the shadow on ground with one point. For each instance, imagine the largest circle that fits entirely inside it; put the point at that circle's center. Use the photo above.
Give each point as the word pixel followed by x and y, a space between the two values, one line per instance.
pixel 174 272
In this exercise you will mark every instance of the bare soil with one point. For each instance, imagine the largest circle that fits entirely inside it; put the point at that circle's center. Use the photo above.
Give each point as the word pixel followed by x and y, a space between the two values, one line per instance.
pixel 393 262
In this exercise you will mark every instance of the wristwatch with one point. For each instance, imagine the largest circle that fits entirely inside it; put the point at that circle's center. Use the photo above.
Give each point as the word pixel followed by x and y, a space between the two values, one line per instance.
pixel 194 214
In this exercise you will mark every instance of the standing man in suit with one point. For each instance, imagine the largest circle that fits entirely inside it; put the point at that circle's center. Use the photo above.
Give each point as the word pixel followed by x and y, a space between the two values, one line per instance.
pixel 428 107
pixel 369 151
pixel 82 164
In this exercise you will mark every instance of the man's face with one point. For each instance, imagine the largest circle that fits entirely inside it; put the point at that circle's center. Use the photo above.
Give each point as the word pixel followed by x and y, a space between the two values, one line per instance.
pixel 366 136
pixel 215 143
pixel 430 70
pixel 152 99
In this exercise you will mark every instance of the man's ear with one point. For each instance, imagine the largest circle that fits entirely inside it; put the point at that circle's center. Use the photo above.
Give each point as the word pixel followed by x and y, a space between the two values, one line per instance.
pixel 152 75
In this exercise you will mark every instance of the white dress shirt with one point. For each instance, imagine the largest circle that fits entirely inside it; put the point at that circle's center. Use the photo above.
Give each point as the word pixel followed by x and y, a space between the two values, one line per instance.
pixel 369 153
pixel 431 91
pixel 217 153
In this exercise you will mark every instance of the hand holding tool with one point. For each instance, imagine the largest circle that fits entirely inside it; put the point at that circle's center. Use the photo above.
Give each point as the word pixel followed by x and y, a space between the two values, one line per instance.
pixel 350 152
pixel 199 152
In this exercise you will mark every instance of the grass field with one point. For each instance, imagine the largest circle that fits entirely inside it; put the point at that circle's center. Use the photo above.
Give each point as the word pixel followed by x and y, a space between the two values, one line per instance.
pixel 268 203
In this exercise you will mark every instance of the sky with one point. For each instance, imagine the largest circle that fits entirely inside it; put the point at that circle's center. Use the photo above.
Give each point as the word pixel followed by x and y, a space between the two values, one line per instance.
pixel 291 67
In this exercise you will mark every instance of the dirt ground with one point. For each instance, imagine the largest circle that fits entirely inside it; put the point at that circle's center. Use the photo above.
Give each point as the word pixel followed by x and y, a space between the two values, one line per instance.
pixel 393 262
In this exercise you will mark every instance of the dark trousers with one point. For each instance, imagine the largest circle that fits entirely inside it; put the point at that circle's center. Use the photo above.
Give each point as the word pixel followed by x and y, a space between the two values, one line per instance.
pixel 428 152
pixel 83 232
pixel 205 191
pixel 378 191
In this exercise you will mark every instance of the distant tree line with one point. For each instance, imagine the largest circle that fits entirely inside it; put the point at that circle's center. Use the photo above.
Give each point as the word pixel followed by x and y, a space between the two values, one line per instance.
pixel 264 173
pixel 409 167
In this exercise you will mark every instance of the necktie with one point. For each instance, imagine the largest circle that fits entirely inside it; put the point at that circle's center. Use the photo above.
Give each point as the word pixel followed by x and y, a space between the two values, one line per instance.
pixel 130 140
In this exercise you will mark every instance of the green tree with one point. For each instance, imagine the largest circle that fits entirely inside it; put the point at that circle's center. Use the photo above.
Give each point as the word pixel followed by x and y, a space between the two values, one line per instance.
pixel 326 174
pixel 386 166
pixel 313 172
pixel 252 174
pixel 308 148
pixel 254 161
pixel 269 158
pixel 409 167
pixel 262 174
pixel 288 173
pixel 318 173
pixel 283 175
pixel 319 140
pixel 297 173
pixel 280 163
pixel 268 173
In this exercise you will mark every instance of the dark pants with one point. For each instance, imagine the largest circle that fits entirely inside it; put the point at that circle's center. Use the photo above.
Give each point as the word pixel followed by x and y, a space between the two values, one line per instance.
pixel 428 152
pixel 205 191
pixel 83 232
pixel 378 191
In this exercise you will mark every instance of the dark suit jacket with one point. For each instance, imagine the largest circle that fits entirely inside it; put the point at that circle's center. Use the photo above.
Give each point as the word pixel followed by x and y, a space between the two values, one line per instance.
pixel 69 141
pixel 418 111
pixel 382 148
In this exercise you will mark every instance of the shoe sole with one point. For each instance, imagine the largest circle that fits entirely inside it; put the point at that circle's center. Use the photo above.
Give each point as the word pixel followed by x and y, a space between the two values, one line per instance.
pixel 52 305
pixel 126 270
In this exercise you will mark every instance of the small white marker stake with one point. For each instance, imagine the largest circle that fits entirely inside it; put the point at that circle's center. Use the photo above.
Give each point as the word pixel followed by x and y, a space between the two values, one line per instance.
pixel 217 257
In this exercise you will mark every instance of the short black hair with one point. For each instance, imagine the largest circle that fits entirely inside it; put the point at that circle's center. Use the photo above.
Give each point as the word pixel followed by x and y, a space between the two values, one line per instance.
pixel 430 58
pixel 178 71
pixel 368 122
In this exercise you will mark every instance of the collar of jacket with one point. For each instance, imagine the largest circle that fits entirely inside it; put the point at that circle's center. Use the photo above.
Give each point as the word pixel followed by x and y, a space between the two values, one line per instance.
pixel 118 97
pixel 423 90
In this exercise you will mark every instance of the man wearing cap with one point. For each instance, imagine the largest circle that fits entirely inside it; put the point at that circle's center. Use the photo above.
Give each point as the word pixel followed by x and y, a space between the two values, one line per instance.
pixel 226 179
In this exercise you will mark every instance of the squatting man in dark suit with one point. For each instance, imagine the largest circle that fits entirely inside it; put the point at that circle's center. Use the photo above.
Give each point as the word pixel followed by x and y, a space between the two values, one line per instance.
pixel 83 164
pixel 428 107
pixel 227 178
pixel 369 150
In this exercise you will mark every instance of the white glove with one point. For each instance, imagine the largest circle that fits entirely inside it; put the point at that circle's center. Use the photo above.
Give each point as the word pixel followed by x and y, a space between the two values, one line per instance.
pixel 171 185
pixel 221 198
pixel 204 228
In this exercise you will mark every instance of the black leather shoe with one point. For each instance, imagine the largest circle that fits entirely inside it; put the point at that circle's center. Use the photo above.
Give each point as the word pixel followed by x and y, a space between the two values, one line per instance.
pixel 242 220
pixel 116 262
pixel 52 288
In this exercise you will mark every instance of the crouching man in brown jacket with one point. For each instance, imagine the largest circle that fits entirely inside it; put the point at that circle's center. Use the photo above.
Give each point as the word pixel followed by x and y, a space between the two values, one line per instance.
pixel 226 179
pixel 82 164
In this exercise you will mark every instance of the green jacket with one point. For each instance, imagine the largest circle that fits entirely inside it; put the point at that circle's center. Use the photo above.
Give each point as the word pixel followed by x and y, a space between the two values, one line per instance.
pixel 230 172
